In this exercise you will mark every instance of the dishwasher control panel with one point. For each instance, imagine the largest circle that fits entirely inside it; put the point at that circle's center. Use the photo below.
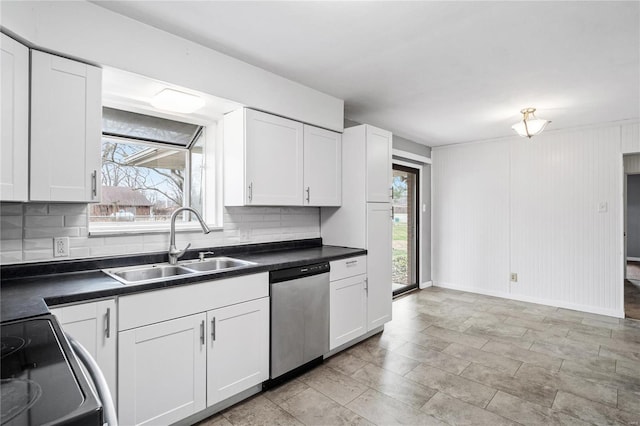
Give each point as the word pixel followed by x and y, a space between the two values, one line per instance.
pixel 298 272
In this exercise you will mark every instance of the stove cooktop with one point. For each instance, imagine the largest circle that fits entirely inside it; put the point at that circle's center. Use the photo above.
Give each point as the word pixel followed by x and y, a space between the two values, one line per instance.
pixel 39 384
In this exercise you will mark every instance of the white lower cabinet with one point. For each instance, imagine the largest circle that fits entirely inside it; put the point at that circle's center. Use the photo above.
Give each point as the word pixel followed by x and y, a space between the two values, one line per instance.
pixel 238 342
pixel 188 347
pixel 162 371
pixel 347 300
pixel 93 325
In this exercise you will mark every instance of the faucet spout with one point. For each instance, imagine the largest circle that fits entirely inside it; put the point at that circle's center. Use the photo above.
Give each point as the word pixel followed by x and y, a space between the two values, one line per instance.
pixel 174 252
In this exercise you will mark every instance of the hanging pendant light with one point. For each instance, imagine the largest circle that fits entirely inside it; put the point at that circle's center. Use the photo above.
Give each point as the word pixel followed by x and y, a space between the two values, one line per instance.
pixel 530 124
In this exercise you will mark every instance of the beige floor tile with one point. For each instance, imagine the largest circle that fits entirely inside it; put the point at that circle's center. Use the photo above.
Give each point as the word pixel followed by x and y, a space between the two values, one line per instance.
pixel 384 410
pixel 345 363
pixel 528 413
pixel 456 412
pixel 389 360
pixel 456 386
pixel 258 410
pixel 441 360
pixel 629 401
pixel 455 336
pixel 394 385
pixel 313 408
pixel 498 362
pixel 564 350
pixel 569 383
pixel 524 355
pixel 215 420
pixel 335 385
pixel 592 412
pixel 525 389
pixel 522 342
pixel 285 391
pixel 615 353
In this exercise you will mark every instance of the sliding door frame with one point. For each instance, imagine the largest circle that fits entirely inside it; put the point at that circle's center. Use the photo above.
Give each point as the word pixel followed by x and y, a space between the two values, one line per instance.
pixel 418 212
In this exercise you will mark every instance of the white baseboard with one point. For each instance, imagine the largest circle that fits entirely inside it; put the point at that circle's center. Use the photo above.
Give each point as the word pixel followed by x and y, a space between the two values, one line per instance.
pixel 633 259
pixel 426 284
pixel 549 302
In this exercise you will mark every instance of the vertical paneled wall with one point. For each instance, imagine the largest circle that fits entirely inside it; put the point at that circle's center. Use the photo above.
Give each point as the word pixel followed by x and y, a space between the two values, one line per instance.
pixel 470 236
pixel 548 209
pixel 566 218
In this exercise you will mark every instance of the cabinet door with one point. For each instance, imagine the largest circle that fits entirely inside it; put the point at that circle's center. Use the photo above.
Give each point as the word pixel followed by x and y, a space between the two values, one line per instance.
pixel 162 371
pixel 322 167
pixel 66 113
pixel 94 326
pixel 14 113
pixel 378 264
pixel 378 165
pixel 348 310
pixel 274 160
pixel 238 354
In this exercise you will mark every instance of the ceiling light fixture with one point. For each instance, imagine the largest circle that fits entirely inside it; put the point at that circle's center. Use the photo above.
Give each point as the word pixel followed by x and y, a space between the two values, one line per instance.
pixel 176 101
pixel 530 124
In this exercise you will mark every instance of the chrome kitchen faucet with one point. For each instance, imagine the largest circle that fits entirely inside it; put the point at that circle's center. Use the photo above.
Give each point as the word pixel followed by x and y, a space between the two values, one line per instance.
pixel 174 253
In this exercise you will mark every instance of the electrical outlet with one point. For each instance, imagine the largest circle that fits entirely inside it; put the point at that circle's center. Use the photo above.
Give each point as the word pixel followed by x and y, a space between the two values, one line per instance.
pixel 61 246
pixel 514 277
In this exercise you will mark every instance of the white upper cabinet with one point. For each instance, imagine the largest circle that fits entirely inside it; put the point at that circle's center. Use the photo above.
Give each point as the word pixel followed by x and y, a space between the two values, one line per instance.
pixel 263 159
pixel 274 161
pixel 378 165
pixel 14 113
pixel 66 114
pixel 322 167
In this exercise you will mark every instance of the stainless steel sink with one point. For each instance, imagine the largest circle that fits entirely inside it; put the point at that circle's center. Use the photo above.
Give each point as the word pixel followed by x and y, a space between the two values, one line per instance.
pixel 144 274
pixel 216 264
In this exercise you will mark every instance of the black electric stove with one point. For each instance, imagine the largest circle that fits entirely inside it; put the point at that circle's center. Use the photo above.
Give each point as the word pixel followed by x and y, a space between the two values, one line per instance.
pixel 41 382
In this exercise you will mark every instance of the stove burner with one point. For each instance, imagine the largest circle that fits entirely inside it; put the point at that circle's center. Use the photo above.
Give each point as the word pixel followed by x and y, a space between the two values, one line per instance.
pixel 17 395
pixel 10 344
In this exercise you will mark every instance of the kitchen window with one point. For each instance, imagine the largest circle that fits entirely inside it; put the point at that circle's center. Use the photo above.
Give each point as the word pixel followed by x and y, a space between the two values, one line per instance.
pixel 151 166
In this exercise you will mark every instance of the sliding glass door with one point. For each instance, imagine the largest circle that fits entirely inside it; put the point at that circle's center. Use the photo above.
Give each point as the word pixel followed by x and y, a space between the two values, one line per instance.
pixel 405 253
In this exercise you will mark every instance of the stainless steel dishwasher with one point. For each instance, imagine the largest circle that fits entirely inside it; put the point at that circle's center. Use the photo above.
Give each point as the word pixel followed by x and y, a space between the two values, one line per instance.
pixel 299 317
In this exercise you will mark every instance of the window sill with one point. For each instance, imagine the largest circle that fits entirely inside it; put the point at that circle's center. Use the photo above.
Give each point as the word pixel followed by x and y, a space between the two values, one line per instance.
pixel 114 231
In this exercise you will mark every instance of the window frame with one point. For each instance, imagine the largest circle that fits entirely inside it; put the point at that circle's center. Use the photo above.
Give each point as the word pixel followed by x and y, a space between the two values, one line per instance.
pixel 212 212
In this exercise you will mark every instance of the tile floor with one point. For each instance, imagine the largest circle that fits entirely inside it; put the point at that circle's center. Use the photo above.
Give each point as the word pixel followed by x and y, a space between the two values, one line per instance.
pixel 450 357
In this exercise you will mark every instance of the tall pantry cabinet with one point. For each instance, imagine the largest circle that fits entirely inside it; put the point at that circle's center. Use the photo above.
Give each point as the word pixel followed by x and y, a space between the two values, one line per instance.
pixel 365 218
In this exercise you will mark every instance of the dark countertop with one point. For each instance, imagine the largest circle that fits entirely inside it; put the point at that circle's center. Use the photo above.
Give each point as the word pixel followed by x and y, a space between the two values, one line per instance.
pixel 28 296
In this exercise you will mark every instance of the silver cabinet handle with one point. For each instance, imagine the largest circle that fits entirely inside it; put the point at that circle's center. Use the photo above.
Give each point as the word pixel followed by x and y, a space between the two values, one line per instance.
pixel 308 194
pixel 94 184
pixel 392 212
pixel 202 332
pixel 107 325
pixel 351 262
pixel 250 191
pixel 366 285
pixel 213 329
pixel 391 192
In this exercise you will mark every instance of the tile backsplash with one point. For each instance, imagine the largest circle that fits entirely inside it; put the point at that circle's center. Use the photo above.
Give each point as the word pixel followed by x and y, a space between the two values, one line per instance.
pixel 27 231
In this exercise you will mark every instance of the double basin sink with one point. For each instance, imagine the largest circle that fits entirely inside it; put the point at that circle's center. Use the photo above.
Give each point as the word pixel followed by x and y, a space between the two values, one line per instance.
pixel 144 274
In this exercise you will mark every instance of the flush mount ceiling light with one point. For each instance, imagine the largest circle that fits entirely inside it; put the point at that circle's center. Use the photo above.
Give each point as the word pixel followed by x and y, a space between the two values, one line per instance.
pixel 530 124
pixel 176 101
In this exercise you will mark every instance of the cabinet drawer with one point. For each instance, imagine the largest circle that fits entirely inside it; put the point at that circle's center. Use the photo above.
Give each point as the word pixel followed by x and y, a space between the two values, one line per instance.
pixel 162 305
pixel 344 268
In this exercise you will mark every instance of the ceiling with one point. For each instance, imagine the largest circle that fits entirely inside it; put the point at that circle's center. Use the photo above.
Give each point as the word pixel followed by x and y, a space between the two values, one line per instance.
pixel 435 72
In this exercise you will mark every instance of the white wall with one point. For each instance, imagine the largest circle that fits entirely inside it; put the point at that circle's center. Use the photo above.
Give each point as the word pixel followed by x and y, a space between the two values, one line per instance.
pixel 91 33
pixel 470 207
pixel 532 207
